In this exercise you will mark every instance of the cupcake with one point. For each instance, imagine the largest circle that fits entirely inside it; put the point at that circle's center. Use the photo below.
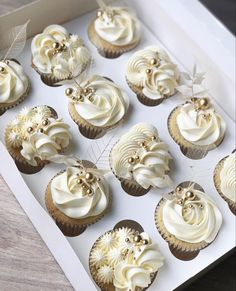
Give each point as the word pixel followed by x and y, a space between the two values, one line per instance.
pixel 196 127
pixel 58 56
pixel 114 31
pixel 37 137
pixel 14 84
pixel 152 76
pixel 124 259
pixel 76 198
pixel 188 220
pixel 140 160
pixel 97 105
pixel 225 180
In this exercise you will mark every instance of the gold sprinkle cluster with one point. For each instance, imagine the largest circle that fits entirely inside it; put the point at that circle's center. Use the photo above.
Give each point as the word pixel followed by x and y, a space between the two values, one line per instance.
pixel 79 95
pixel 184 198
pixel 138 241
pixel 85 180
pixel 154 63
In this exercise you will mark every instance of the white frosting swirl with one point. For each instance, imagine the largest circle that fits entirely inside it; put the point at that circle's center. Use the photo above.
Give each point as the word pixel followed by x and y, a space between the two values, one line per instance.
pixel 107 104
pixel 228 177
pixel 69 197
pixel 67 63
pixel 151 160
pixel 202 128
pixel 163 77
pixel 193 224
pixel 118 26
pixel 13 82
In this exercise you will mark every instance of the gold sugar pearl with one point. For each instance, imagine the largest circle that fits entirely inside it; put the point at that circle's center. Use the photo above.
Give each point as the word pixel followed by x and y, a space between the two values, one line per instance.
pixel 131 160
pixel 194 99
pixel 204 103
pixel 41 130
pixel 189 195
pixel 30 129
pixel 86 91
pixel 145 241
pixel 69 91
pixel 80 98
pixel 45 122
pixel 127 240
pixel 98 179
pixel 153 61
pixel 179 189
pixel 2 70
pixel 56 45
pixel 148 71
pixel 180 202
pixel 137 238
pixel 201 206
pixel 153 137
pixel 190 206
pixel 99 13
pixel 89 177
pixel 89 192
pixel 79 181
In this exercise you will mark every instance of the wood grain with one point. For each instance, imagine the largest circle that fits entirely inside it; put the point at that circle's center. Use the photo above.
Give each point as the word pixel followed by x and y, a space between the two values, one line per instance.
pixel 25 262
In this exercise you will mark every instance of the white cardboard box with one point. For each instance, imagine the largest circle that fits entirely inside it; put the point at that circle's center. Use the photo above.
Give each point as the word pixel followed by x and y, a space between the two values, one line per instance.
pixel 191 35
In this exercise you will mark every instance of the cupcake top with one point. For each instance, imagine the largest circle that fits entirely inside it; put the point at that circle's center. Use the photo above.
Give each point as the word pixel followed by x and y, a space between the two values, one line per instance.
pixel 99 101
pixel 125 259
pixel 13 82
pixel 57 52
pixel 199 123
pixel 191 216
pixel 118 26
pixel 140 155
pixel 37 133
pixel 80 193
pixel 152 70
pixel 228 177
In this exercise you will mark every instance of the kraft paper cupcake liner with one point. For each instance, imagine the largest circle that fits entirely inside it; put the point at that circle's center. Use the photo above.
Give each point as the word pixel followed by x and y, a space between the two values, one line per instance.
pixel 180 249
pixel 217 182
pixel 21 163
pixel 142 98
pixel 6 106
pixel 70 226
pixel 86 129
pixel 188 149
pixel 106 49
pixel 133 225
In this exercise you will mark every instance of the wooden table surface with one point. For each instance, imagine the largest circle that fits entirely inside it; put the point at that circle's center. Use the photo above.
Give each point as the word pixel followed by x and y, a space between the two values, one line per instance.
pixel 25 262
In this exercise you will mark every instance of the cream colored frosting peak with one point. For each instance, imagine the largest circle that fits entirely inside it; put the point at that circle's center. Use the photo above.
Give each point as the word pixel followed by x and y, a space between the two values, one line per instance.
pixel 59 53
pixel 118 26
pixel 228 177
pixel 140 155
pixel 200 127
pixel 13 82
pixel 194 220
pixel 152 70
pixel 72 199
pixel 106 103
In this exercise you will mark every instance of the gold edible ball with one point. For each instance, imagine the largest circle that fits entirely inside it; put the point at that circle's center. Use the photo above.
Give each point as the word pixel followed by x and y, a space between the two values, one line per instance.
pixel 127 240
pixel 45 122
pixel 41 130
pixel 180 201
pixel 56 45
pixel 153 137
pixel 2 70
pixel 30 129
pixel 142 144
pixel 179 189
pixel 131 160
pixel 98 179
pixel 79 181
pixel 137 238
pixel 204 103
pixel 153 61
pixel 189 194
pixel 149 71
pixel 145 241
pixel 69 91
pixel 89 177
pixel 201 206
pixel 89 192
pixel 190 206
pixel 86 90
pixel 80 98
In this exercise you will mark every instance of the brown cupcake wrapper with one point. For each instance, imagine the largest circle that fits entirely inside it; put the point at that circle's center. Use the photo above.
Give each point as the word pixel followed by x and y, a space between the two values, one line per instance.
pixel 106 49
pixel 217 181
pixel 111 287
pixel 188 149
pixel 69 226
pixel 21 163
pixel 177 247
pixel 142 98
pixel 4 107
pixel 86 129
